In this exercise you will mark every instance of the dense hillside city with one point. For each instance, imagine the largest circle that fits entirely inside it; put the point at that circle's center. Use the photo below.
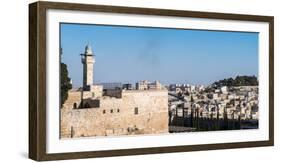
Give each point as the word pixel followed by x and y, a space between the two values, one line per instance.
pixel 225 104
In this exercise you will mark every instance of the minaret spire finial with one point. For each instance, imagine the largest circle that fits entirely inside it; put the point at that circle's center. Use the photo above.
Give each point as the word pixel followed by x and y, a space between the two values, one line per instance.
pixel 88 49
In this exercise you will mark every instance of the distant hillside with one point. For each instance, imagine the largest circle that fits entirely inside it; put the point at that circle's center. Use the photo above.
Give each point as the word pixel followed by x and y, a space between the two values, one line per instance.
pixel 238 81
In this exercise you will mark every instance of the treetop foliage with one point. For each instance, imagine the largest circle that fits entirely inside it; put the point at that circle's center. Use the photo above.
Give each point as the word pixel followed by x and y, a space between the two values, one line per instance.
pixel 238 81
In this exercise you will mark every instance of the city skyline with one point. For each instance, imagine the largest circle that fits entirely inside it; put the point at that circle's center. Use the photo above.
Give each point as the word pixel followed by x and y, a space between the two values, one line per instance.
pixel 130 54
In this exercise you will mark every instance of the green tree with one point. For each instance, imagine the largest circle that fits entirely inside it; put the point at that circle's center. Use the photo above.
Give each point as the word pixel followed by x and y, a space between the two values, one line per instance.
pixel 65 84
pixel 238 81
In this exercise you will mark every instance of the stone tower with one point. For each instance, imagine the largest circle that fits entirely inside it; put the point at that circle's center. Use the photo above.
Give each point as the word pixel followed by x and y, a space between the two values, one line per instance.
pixel 88 61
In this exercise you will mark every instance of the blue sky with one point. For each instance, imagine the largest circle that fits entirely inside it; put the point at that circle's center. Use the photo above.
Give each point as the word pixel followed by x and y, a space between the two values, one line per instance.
pixel 130 54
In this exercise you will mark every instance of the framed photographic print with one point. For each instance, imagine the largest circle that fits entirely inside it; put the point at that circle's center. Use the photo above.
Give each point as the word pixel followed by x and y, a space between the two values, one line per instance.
pixel 112 81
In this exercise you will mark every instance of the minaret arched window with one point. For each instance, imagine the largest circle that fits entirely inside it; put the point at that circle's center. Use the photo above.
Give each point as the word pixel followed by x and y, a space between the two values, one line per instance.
pixel 75 105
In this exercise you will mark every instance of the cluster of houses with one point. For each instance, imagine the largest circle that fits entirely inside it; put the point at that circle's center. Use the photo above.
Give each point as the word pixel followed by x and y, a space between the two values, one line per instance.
pixel 239 103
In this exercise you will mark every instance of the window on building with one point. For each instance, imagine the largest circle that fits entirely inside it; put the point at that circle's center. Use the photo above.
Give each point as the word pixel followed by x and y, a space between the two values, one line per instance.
pixel 118 110
pixel 103 111
pixel 71 132
pixel 111 111
pixel 136 110
pixel 75 106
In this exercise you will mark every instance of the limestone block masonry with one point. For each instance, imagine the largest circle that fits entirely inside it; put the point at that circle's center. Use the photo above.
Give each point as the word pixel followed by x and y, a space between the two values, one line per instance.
pixel 137 112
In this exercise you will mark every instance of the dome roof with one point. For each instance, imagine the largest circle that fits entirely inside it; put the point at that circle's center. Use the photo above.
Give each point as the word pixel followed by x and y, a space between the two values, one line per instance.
pixel 88 49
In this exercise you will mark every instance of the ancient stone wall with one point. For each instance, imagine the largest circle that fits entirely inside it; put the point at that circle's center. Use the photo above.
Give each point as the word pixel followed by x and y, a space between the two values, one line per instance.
pixel 96 90
pixel 137 112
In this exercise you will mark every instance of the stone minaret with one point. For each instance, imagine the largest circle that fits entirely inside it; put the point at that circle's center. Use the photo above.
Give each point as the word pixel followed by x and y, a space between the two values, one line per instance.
pixel 88 61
